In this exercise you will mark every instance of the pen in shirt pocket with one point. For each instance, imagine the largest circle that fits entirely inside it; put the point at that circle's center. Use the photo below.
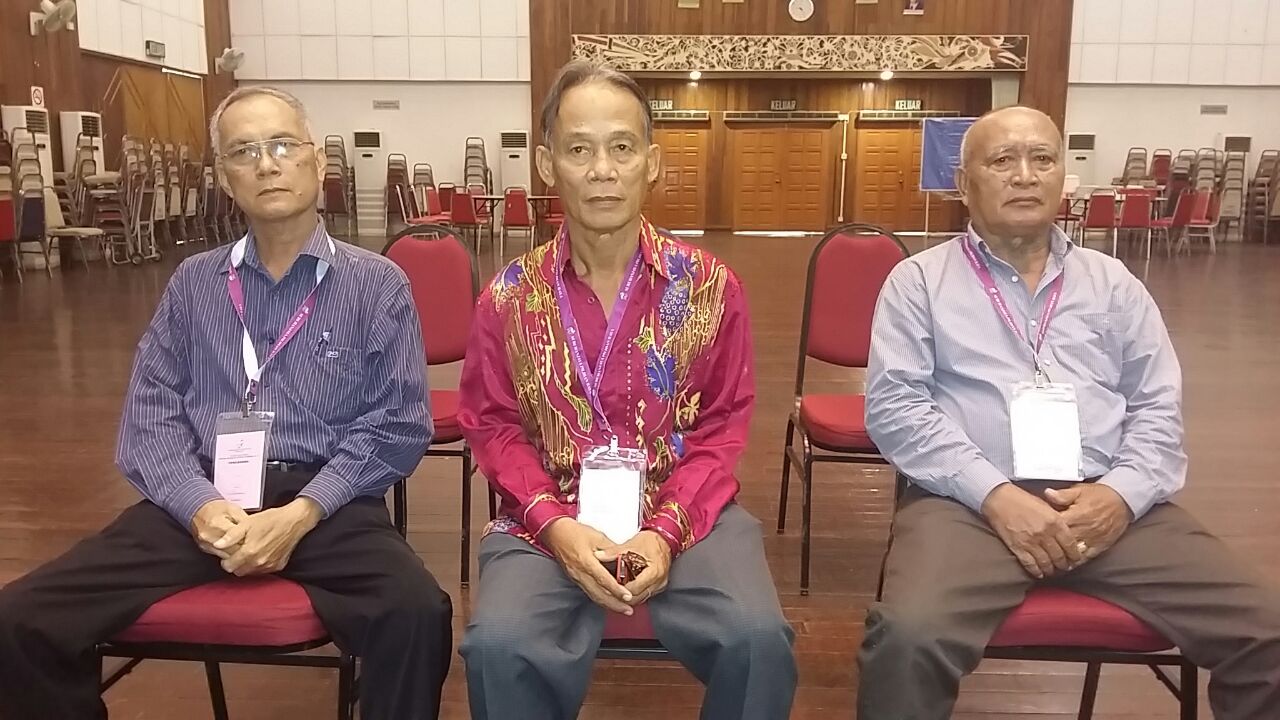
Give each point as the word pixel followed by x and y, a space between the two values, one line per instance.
pixel 322 344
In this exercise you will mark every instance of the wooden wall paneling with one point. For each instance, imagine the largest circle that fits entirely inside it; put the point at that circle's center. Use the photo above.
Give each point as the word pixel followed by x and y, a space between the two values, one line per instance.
pixel 50 60
pixel 217 28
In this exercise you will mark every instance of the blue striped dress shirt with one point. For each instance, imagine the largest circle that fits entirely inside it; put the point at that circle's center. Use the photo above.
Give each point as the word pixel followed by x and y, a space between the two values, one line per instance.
pixel 943 363
pixel 348 392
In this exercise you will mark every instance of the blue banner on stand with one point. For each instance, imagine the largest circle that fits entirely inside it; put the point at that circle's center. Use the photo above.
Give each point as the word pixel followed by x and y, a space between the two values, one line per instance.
pixel 941 152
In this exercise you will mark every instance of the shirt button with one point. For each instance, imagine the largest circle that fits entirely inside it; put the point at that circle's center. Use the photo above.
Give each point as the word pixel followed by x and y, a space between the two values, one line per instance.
pixel 591 300
pixel 1033 323
pixel 1014 278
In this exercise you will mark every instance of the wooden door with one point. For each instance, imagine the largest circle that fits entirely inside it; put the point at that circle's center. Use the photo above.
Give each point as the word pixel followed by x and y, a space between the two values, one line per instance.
pixel 781 178
pixel 805 172
pixel 912 217
pixel 679 200
pixel 757 203
pixel 882 173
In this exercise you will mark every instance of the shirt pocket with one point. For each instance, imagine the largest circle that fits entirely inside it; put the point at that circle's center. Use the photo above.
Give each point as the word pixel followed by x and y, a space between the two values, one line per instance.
pixel 1093 345
pixel 329 381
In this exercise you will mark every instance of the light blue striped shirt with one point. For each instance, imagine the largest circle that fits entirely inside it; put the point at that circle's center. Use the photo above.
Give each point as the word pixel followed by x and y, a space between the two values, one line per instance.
pixel 356 402
pixel 943 364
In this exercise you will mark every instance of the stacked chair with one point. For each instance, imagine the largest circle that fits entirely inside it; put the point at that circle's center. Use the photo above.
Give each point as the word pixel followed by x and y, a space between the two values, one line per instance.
pixel 1260 203
pixel 1135 167
pixel 401 204
pixel 475 167
pixel 339 184
pixel 423 178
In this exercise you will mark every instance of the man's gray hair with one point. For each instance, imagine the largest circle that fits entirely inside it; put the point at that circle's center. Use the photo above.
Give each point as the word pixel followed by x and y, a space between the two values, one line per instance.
pixel 248 91
pixel 581 72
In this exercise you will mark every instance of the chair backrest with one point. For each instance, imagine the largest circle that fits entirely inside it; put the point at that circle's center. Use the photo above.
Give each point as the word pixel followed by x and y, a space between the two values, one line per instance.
pixel 444 282
pixel 846 272
pixel 515 208
pixel 1102 210
pixel 433 201
pixel 555 206
pixel 1135 211
pixel 53 218
pixel 1200 208
pixel 446 191
pixel 463 209
pixel 8 220
pixel 1182 208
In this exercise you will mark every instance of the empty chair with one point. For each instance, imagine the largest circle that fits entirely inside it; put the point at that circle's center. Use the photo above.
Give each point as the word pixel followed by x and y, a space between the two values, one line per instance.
pixel 1204 218
pixel 1100 215
pixel 56 227
pixel 1174 225
pixel 1135 215
pixel 516 215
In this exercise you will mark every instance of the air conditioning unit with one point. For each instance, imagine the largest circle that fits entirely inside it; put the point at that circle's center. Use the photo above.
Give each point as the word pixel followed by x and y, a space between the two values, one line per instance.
pixel 1081 161
pixel 35 121
pixel 81 127
pixel 1237 143
pixel 370 164
pixel 514 168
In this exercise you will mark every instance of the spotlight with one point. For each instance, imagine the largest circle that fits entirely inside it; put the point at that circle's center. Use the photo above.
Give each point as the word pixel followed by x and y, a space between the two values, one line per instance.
pixel 886 75
pixel 695 75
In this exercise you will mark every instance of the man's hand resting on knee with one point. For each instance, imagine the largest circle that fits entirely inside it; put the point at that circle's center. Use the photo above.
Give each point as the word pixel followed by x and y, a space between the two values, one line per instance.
pixel 262 543
pixel 574 546
pixel 212 522
pixel 1035 533
pixel 657 564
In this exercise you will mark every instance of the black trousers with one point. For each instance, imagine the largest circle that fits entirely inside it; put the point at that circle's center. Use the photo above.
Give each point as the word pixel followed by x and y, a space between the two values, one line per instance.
pixel 366 584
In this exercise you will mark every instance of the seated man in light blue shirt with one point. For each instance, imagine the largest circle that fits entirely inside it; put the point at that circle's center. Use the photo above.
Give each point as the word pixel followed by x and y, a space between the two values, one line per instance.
pixel 1008 366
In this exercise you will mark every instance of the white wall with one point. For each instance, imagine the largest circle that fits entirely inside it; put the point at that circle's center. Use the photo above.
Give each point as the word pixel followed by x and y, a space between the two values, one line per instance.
pixel 123 27
pixel 1176 42
pixel 383 40
pixel 1151 116
pixel 432 123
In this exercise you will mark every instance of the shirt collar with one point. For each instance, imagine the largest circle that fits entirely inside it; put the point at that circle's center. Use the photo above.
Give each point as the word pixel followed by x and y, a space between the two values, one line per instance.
pixel 652 245
pixel 1060 245
pixel 319 246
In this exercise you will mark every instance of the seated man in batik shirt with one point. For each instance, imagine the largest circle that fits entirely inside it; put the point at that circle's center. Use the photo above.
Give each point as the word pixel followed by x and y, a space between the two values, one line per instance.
pixel 614 334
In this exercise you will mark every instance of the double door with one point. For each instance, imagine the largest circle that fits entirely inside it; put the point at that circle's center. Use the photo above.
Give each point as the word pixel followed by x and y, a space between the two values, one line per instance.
pixel 781 177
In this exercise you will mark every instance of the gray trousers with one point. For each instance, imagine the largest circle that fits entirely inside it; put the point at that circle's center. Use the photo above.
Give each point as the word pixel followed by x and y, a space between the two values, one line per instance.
pixel 950 581
pixel 533 633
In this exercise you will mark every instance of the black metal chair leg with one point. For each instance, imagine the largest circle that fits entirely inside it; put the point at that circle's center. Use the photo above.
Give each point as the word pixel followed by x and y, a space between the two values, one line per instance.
pixel 466 520
pixel 217 695
pixel 346 687
pixel 1189 692
pixel 806 478
pixel 786 477
pixel 1090 695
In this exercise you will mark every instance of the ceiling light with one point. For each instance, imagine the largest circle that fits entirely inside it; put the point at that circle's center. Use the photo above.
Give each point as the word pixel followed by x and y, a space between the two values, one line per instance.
pixel 695 75
pixel 886 75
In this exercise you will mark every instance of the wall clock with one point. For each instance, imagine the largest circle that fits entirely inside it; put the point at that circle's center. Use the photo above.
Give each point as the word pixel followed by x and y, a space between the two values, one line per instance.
pixel 800 10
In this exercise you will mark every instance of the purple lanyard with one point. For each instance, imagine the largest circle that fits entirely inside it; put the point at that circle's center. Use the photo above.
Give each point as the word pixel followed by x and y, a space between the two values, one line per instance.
pixel 1002 308
pixel 251 367
pixel 591 380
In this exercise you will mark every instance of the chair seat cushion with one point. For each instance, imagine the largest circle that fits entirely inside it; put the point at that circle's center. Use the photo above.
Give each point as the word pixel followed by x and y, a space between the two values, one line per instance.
pixel 265 611
pixel 1166 222
pixel 837 421
pixel 636 627
pixel 430 219
pixel 1056 617
pixel 444 416
pixel 74 232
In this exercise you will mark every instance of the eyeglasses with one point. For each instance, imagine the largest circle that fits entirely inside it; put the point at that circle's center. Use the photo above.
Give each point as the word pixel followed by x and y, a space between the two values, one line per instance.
pixel 249 154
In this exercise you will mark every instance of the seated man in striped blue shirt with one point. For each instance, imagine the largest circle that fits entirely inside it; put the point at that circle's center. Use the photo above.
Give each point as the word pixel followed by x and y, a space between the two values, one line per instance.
pixel 1029 390
pixel 322 335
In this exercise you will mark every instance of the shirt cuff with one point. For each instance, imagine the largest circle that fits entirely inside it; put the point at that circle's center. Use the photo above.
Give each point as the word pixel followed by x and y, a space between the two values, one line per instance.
pixel 329 491
pixel 975 483
pixel 188 498
pixel 541 511
pixel 668 529
pixel 1139 493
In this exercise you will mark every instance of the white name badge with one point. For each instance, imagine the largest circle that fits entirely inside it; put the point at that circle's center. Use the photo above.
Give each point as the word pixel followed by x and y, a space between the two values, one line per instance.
pixel 1045 421
pixel 609 491
pixel 240 457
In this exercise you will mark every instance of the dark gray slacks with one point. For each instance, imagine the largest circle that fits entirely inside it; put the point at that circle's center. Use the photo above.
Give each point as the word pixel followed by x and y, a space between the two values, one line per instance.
pixel 533 635
pixel 950 581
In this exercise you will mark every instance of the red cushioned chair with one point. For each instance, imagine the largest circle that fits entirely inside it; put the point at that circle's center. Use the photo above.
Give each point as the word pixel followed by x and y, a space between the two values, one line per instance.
pixel 463 216
pixel 264 620
pixel 434 216
pixel 1101 215
pixel 631 638
pixel 444 282
pixel 8 230
pixel 1174 226
pixel 1135 214
pixel 1057 625
pixel 846 271
pixel 515 216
